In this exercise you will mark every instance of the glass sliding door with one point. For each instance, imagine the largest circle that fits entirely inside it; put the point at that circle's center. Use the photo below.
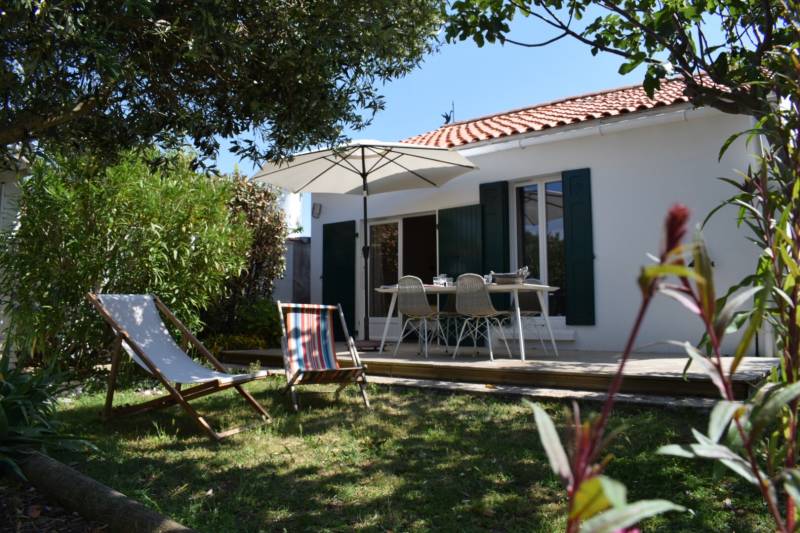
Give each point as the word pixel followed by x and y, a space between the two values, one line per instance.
pixel 554 215
pixel 528 228
pixel 383 264
pixel 540 238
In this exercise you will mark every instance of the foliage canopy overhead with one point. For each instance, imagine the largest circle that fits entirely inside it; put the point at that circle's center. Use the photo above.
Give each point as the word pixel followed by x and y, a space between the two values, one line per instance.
pixel 104 75
pixel 754 47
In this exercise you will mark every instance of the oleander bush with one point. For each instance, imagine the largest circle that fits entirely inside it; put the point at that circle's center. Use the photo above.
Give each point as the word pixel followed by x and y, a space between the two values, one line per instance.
pixel 128 228
pixel 245 309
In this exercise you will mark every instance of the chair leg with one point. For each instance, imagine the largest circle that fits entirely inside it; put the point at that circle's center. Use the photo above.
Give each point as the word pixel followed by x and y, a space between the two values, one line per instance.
pixel 293 393
pixel 340 388
pixel 503 336
pixel 442 335
pixel 201 421
pixel 257 407
pixel 401 337
pixel 539 332
pixel 489 338
pixel 476 327
pixel 460 336
pixel 362 385
pixel 112 378
pixel 424 337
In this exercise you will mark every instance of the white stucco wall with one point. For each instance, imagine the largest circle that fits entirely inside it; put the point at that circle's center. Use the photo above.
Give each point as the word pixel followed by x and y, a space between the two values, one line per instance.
pixel 9 199
pixel 637 174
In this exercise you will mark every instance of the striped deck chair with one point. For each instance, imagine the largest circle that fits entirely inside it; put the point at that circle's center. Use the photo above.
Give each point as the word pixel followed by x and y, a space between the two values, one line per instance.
pixel 309 353
pixel 141 332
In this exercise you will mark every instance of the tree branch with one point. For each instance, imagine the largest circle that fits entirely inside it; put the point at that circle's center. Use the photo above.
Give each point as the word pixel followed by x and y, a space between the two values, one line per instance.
pixel 26 123
pixel 536 45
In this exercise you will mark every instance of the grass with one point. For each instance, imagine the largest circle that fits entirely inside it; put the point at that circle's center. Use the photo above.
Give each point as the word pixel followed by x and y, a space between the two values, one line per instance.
pixel 419 461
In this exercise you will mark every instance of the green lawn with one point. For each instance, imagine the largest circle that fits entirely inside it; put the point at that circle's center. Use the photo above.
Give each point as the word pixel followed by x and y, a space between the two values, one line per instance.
pixel 418 461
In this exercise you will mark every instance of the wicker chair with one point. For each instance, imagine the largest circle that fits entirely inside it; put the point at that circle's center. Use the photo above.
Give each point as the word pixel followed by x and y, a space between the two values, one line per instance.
pixel 475 305
pixel 419 316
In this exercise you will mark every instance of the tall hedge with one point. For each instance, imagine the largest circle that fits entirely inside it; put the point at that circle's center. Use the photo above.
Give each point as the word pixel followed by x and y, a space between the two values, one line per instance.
pixel 128 228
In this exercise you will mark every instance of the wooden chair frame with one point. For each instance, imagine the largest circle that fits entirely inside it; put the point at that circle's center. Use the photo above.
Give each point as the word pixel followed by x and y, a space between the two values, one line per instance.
pixel 176 395
pixel 345 376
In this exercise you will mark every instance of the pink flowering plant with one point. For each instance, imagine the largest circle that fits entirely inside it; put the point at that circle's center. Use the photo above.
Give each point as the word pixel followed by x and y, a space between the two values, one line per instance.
pixel 754 438
pixel 595 502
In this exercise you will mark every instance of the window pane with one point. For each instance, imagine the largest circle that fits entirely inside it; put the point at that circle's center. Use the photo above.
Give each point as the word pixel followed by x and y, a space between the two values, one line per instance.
pixel 528 228
pixel 382 265
pixel 554 204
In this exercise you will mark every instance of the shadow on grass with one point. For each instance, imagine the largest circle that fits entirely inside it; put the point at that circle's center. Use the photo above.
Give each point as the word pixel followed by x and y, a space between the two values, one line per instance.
pixel 419 460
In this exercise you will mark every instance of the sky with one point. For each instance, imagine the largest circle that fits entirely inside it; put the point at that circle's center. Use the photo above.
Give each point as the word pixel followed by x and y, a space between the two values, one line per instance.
pixel 478 81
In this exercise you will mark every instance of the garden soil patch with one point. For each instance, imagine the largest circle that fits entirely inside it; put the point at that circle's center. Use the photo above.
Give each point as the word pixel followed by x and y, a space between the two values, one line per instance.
pixel 24 509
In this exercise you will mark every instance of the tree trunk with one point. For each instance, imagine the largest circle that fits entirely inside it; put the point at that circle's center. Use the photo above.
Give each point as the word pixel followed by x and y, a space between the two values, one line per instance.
pixel 93 500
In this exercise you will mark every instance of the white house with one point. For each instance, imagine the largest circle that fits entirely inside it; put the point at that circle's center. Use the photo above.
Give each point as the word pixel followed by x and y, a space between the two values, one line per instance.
pixel 609 163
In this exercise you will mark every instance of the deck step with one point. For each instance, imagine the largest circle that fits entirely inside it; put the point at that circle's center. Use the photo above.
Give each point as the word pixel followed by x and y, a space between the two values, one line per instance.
pixel 646 374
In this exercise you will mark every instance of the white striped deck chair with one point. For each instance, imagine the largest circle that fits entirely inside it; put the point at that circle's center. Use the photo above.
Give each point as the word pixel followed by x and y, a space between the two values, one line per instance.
pixel 141 332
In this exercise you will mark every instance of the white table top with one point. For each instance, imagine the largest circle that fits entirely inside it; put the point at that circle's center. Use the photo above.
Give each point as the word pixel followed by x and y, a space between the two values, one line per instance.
pixel 493 287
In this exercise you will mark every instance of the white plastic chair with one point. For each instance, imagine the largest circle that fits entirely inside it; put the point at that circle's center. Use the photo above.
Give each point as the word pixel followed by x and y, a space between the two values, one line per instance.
pixel 475 305
pixel 420 316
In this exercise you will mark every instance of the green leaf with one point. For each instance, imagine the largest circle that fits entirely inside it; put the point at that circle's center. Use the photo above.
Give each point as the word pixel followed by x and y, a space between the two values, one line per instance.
pixel 792 484
pixel 774 401
pixel 552 443
pixel 615 492
pixel 704 278
pixel 682 298
pixel 676 450
pixel 726 314
pixel 720 417
pixel 752 327
pixel 3 421
pixel 589 500
pixel 707 367
pixel 628 515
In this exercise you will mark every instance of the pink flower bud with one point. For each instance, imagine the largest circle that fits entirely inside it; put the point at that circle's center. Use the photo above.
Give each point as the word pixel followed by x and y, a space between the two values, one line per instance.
pixel 675 227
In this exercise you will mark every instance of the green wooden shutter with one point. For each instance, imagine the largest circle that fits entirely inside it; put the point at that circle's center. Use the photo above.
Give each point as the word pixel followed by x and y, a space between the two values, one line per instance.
pixel 494 226
pixel 460 241
pixel 578 247
pixel 460 248
pixel 339 271
pixel 494 233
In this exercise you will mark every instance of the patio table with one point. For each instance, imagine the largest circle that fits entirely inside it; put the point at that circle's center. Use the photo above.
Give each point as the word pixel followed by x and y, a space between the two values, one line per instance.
pixel 512 289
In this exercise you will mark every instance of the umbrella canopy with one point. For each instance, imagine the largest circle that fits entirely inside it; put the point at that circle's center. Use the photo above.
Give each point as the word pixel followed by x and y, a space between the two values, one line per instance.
pixel 388 167
pixel 366 167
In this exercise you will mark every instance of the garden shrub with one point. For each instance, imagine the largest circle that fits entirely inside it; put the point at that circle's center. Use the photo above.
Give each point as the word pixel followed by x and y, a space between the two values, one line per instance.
pixel 256 321
pixel 246 307
pixel 220 342
pixel 128 228
pixel 27 415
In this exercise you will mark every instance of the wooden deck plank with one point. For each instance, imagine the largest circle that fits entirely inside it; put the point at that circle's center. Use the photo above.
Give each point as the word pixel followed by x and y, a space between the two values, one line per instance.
pixel 658 374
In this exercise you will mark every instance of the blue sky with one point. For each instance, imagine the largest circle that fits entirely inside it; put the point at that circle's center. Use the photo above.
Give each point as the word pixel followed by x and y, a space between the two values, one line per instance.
pixel 482 81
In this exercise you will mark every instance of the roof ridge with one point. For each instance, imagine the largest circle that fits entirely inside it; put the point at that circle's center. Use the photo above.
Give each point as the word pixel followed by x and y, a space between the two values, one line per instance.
pixel 554 102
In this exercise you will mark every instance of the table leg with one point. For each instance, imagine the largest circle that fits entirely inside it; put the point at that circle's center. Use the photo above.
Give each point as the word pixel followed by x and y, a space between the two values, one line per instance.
pixel 388 319
pixel 546 315
pixel 518 320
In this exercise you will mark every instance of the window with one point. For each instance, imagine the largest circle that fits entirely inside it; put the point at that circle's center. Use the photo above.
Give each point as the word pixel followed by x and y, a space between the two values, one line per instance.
pixel 383 264
pixel 540 237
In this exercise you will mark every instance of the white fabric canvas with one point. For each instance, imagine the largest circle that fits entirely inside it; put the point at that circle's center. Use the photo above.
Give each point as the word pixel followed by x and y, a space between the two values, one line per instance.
pixel 138 315
pixel 389 167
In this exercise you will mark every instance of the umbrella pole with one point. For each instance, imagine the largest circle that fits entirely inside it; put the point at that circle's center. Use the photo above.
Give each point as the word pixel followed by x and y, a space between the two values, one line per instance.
pixel 365 253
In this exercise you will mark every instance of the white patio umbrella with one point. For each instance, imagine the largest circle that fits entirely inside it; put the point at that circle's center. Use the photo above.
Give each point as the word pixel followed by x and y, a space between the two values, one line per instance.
pixel 366 167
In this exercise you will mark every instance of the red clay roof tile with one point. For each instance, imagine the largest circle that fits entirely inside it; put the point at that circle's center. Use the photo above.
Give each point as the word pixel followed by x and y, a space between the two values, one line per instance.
pixel 540 117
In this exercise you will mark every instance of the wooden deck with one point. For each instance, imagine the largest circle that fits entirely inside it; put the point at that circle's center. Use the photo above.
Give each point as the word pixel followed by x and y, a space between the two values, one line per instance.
pixel 655 374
